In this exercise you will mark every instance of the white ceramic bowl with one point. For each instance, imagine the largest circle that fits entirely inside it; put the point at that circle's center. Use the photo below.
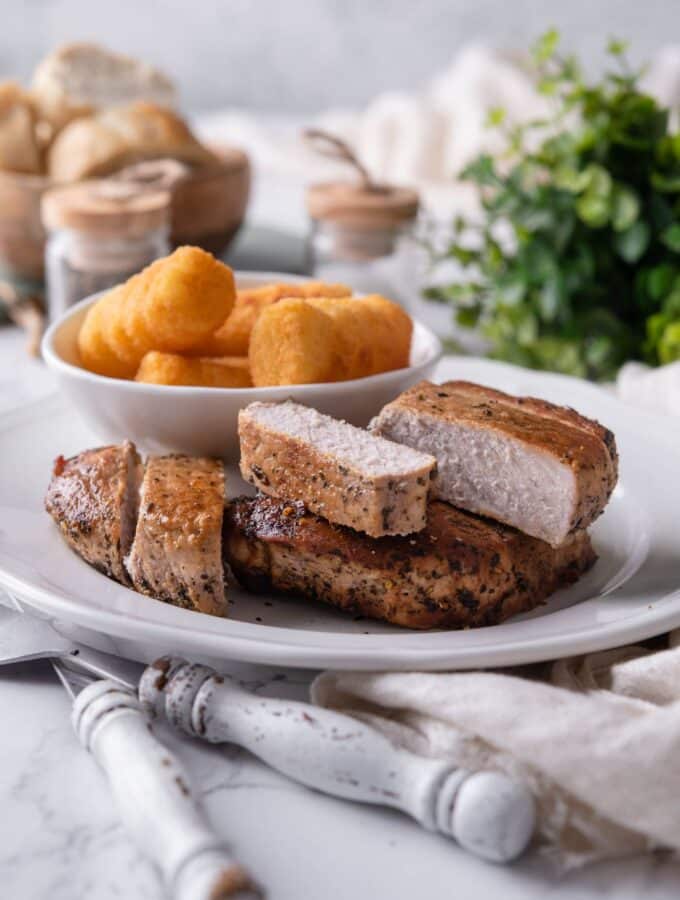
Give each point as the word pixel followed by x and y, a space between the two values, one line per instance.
pixel 203 421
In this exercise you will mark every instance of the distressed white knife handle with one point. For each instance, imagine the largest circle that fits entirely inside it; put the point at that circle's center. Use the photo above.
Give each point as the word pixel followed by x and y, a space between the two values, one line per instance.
pixel 154 799
pixel 486 812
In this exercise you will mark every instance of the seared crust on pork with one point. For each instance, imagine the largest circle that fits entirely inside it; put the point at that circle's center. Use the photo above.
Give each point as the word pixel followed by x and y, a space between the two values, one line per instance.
pixel 176 555
pixel 460 571
pixel 93 498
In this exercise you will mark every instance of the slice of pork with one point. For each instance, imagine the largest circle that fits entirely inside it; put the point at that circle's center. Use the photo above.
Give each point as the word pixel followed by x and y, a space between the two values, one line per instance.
pixel 176 554
pixel 340 472
pixel 93 497
pixel 544 469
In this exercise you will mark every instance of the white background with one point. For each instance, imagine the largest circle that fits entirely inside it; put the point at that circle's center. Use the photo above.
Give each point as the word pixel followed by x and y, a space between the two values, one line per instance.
pixel 304 55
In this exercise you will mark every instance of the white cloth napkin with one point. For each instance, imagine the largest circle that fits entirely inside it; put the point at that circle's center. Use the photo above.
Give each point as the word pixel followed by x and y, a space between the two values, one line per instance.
pixel 653 389
pixel 597 738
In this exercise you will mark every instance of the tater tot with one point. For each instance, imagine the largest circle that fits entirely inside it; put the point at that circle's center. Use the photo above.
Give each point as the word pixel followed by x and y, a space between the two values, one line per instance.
pixel 96 354
pixel 173 368
pixel 373 334
pixel 171 306
pixel 293 343
pixel 125 333
pixel 394 330
pixel 233 337
pixel 187 298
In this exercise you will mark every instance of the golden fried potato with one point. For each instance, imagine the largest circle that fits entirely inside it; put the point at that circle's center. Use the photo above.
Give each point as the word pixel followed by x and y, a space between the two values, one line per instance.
pixel 373 334
pixel 188 296
pixel 233 338
pixel 393 332
pixel 96 354
pixel 173 305
pixel 173 368
pixel 125 333
pixel 293 342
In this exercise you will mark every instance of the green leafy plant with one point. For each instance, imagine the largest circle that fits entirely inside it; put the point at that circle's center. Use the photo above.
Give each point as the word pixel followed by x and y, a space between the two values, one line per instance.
pixel 575 266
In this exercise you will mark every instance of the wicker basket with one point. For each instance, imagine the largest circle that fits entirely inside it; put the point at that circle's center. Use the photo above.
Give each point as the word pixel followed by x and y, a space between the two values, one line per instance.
pixel 208 208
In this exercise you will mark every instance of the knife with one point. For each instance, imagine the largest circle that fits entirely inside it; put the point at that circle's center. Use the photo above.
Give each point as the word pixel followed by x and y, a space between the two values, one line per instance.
pixel 150 787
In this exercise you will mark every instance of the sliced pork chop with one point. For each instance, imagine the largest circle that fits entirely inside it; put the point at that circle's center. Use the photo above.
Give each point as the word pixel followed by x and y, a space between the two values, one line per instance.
pixel 176 553
pixel 460 571
pixel 94 497
pixel 541 468
pixel 340 472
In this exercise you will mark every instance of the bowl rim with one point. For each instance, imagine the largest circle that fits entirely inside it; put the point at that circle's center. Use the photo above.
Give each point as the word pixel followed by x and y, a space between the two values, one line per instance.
pixel 56 363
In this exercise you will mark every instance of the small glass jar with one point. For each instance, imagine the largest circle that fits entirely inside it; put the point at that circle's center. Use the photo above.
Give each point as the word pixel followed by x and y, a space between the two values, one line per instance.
pixel 100 233
pixel 363 236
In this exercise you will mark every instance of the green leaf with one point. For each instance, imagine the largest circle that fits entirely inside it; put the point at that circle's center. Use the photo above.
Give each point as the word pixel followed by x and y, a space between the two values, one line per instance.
pixel 632 243
pixel 495 117
pixel 671 237
pixel 550 298
pixel 468 316
pixel 481 170
pixel 464 255
pixel 593 210
pixel 594 206
pixel 667 184
pixel 599 181
pixel 510 291
pixel 545 46
pixel 671 304
pixel 458 293
pixel 669 344
pixel 570 179
pixel 548 86
pixel 625 208
pixel 617 47
pixel 660 280
pixel 527 330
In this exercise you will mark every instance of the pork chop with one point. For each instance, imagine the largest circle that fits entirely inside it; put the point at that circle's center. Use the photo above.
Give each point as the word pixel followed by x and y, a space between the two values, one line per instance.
pixel 93 497
pixel 176 553
pixel 544 469
pixel 460 571
pixel 340 472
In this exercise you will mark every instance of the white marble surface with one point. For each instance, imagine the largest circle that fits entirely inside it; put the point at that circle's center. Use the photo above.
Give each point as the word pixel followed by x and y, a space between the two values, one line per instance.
pixel 60 838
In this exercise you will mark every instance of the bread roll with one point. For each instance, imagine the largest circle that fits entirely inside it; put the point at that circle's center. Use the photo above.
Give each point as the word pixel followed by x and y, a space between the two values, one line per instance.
pixel 19 150
pixel 80 79
pixel 102 144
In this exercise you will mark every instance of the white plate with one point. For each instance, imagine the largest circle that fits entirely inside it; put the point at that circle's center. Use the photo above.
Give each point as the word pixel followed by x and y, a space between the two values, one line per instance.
pixel 631 593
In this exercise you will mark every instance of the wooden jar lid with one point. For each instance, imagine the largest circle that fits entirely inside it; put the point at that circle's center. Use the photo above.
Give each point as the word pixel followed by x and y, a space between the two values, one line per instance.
pixel 362 207
pixel 106 208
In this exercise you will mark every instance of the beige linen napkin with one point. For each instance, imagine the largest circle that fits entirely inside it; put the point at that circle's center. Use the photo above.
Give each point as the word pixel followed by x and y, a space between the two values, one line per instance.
pixel 596 737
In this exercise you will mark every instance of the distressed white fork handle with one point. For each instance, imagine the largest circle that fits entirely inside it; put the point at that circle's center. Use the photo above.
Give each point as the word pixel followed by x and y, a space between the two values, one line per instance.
pixel 487 813
pixel 153 797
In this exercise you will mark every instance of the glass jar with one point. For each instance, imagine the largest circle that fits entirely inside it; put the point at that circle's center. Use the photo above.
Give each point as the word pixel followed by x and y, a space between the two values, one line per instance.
pixel 363 236
pixel 99 235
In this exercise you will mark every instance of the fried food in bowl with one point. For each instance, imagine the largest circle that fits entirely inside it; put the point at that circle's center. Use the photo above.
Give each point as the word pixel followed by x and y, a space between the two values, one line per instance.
pixel 173 368
pixel 373 334
pixel 293 342
pixel 200 420
pixel 171 306
pixel 233 337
